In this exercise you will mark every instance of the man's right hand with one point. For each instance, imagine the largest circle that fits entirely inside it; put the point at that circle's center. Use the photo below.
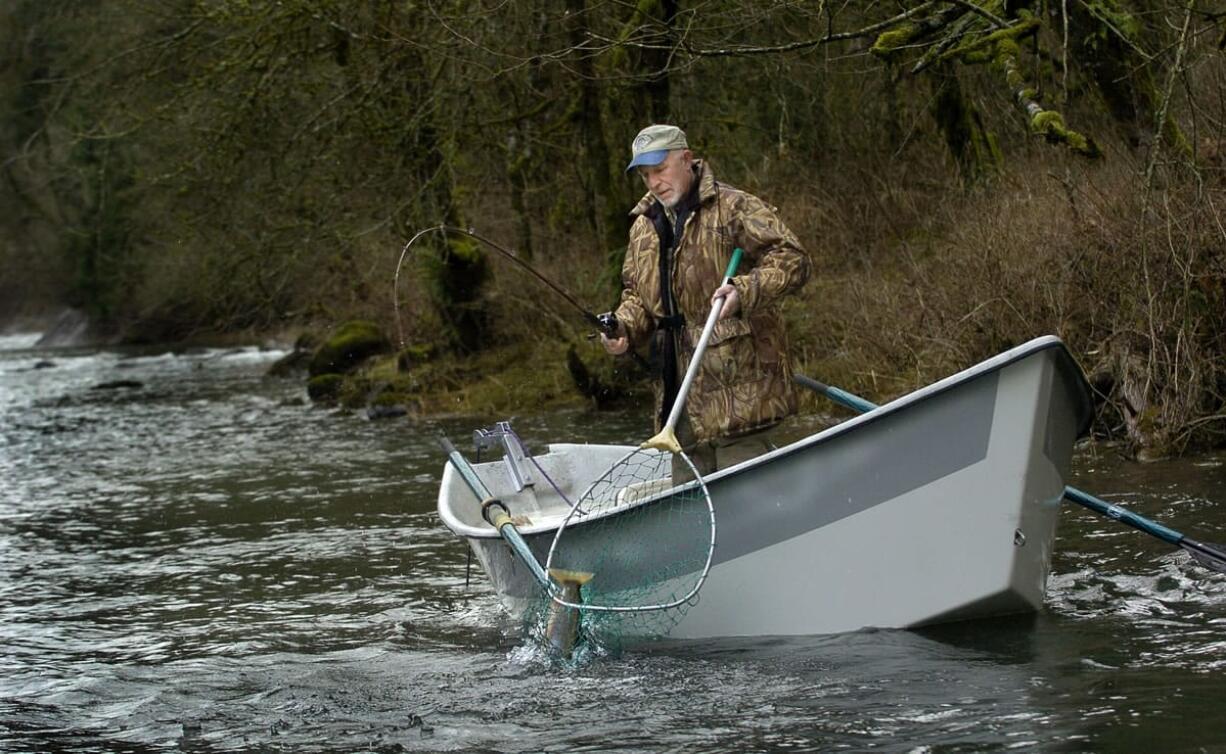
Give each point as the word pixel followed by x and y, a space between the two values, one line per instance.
pixel 615 346
pixel 618 343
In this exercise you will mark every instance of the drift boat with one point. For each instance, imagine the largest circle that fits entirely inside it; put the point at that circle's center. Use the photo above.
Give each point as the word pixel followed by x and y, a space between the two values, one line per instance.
pixel 938 506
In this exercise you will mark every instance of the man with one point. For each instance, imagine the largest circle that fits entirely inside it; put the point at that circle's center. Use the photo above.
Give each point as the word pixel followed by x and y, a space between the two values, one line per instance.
pixel 683 235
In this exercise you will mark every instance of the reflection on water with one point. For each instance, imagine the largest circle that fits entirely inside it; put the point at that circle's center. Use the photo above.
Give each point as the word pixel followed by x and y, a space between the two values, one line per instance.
pixel 191 557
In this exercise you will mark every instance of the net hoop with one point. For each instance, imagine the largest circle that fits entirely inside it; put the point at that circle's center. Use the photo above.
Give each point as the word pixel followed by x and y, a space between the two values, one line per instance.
pixel 576 510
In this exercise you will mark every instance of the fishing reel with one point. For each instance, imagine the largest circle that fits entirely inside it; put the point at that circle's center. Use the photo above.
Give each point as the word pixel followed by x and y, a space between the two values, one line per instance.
pixel 608 324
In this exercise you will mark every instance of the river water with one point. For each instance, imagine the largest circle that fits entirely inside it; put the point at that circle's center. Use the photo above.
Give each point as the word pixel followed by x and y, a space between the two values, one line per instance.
pixel 195 559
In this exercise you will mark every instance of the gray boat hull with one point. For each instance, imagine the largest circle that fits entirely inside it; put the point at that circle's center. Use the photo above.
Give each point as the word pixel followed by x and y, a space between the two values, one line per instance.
pixel 941 505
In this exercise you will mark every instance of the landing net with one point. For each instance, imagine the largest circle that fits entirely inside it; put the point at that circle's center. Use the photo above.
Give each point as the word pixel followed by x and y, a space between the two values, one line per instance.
pixel 641 538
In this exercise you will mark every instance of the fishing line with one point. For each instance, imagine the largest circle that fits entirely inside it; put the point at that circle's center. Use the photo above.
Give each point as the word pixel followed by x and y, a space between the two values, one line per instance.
pixel 606 323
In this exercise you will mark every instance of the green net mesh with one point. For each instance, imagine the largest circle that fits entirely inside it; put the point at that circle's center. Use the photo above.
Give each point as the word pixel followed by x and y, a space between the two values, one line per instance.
pixel 631 556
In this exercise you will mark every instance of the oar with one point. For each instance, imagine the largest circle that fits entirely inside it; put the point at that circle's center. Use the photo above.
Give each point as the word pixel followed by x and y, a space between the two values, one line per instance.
pixel 1211 556
pixel 495 512
pixel 562 627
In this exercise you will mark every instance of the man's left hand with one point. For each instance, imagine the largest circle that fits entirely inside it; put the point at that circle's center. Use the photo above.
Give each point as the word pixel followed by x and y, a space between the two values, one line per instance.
pixel 732 300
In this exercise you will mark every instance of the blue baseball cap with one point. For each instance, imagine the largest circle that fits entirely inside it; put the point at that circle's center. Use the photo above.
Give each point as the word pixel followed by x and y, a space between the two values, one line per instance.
pixel 654 143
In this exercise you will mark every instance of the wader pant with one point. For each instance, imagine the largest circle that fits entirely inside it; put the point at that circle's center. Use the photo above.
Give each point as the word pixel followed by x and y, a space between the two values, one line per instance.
pixel 710 456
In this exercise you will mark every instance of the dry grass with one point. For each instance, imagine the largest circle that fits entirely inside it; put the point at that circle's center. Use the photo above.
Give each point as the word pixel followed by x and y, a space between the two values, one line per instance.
pixel 1131 277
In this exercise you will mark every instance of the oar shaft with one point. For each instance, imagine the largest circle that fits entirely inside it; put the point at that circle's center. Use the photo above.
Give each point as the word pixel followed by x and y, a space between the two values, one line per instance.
pixel 1123 515
pixel 502 522
pixel 854 402
pixel 465 470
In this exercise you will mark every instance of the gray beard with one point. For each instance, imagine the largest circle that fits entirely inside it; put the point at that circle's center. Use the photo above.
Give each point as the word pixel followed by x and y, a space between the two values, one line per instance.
pixel 669 205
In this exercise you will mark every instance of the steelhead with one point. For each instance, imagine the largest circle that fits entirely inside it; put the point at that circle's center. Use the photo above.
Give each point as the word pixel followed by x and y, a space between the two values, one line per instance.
pixel 562 629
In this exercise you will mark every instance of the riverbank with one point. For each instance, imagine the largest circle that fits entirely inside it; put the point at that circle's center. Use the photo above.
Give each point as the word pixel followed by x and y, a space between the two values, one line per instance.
pixel 908 288
pixel 505 379
pixel 946 223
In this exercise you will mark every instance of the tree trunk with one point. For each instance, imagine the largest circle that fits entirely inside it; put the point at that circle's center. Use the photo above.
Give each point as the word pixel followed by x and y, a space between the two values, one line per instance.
pixel 973 147
pixel 605 195
pixel 1106 39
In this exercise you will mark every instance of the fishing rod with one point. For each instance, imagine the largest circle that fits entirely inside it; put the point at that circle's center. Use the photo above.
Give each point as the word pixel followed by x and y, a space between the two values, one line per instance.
pixel 606 323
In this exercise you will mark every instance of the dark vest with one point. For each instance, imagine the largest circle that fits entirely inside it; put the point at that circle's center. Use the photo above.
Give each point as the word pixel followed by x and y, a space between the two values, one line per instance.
pixel 669 235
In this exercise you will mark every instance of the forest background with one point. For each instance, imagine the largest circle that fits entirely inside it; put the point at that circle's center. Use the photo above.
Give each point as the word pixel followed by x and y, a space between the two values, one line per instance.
pixel 967 174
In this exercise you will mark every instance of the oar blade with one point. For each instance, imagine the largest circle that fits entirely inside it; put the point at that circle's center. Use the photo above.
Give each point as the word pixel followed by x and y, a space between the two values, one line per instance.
pixel 1211 556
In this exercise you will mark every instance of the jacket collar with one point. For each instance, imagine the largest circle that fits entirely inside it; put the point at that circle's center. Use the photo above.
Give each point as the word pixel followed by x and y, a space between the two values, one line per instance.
pixel 706 193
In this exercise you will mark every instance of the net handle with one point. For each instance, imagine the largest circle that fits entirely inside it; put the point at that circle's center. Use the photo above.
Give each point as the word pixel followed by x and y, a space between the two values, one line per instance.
pixel 667 438
pixel 716 307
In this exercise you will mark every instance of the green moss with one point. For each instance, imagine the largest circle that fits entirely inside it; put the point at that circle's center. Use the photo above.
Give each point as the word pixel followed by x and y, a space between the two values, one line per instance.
pixel 1119 20
pixel 415 354
pixel 1047 121
pixel 455 279
pixel 1006 53
pixel 1082 144
pixel 889 43
pixel 1050 124
pixel 466 250
pixel 496 381
pixel 347 347
pixel 1007 48
pixel 389 397
pixel 355 392
pixel 1004 41
pixel 325 388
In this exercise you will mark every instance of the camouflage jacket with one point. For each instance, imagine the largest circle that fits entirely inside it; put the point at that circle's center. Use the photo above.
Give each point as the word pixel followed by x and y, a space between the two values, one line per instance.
pixel 745 381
